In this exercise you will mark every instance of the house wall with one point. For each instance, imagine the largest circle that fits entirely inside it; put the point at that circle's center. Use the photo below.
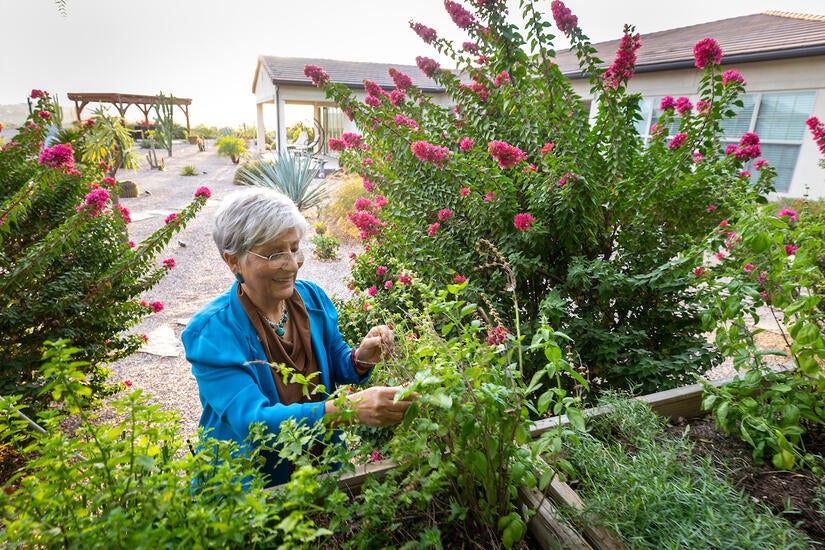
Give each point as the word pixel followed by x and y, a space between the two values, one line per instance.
pixel 801 74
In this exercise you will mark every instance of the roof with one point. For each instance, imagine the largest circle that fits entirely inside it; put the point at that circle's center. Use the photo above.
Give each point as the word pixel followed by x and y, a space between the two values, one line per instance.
pixel 290 71
pixel 759 37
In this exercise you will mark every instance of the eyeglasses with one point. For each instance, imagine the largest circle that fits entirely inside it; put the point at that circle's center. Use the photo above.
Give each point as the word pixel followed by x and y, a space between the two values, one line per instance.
pixel 281 259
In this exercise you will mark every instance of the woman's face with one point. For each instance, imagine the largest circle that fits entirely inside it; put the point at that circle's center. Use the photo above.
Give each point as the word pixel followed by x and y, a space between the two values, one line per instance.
pixel 265 281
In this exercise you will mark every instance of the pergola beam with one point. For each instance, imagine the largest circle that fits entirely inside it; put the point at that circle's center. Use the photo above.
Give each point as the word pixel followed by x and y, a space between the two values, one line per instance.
pixel 122 102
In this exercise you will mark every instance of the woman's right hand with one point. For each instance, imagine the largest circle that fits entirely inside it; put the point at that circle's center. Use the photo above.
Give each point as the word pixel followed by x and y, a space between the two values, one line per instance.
pixel 375 406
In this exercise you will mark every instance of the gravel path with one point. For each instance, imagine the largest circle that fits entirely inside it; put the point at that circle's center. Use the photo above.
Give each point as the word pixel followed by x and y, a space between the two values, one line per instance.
pixel 199 275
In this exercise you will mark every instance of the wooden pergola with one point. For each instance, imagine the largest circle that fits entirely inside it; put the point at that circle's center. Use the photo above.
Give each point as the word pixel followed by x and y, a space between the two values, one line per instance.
pixel 122 102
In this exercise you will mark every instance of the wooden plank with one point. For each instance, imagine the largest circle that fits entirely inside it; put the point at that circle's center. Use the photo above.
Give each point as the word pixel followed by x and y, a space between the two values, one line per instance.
pixel 547 526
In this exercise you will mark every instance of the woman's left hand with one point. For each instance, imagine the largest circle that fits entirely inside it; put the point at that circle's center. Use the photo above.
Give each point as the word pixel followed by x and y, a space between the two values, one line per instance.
pixel 376 345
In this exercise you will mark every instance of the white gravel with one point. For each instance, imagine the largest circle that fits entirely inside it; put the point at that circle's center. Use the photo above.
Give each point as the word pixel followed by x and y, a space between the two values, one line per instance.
pixel 199 275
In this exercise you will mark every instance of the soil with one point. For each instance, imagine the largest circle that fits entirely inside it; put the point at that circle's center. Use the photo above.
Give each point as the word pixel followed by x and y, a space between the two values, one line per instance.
pixel 787 493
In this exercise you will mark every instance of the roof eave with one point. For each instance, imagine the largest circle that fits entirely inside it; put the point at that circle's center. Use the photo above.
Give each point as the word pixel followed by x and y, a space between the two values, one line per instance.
pixel 751 57
pixel 351 85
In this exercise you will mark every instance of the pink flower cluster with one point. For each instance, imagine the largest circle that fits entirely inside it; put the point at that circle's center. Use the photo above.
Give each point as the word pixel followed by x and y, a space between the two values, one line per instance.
pixel 466 144
pixel 404 121
pixel 497 335
pixel 458 279
pixel 427 34
pixel 565 20
pixel 203 192
pixel 434 227
pixel 169 263
pixel 469 47
pixel 58 156
pixel 427 152
pixel 349 140
pixel 124 213
pixel 502 78
pixel 523 221
pixel 95 202
pixel 37 94
pixel 365 216
pixel 460 16
pixel 405 279
pixel 445 214
pixel 818 130
pixel 372 101
pixel 567 178
pixel 678 140
pixel 788 213
pixel 170 218
pixel 505 154
pixel 316 74
pixel 707 52
pixel 732 76
pixel 402 81
pixel 748 147
pixel 428 66
pixel 547 148
pixel 683 106
pixel 791 249
pixel 624 65
pixel 464 192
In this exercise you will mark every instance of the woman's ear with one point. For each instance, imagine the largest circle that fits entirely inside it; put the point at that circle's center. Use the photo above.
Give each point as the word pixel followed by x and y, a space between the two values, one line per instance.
pixel 232 261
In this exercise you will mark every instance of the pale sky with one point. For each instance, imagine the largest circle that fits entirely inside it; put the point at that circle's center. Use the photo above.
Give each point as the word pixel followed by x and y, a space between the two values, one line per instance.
pixel 207 49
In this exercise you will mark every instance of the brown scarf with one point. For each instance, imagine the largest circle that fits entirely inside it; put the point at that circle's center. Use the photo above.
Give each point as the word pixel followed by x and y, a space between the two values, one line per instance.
pixel 295 354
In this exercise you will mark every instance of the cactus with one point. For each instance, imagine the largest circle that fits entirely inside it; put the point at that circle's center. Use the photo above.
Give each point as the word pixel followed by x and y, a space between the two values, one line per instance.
pixel 152 158
pixel 164 120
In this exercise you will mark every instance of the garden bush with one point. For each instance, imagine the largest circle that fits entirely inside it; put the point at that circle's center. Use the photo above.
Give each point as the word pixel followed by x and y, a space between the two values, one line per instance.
pixel 67 267
pixel 587 212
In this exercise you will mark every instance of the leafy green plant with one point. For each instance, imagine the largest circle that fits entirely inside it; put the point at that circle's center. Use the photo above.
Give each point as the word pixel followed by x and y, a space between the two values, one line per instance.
pixel 772 258
pixel 67 267
pixel 293 175
pixel 232 147
pixel 108 142
pixel 189 170
pixel 650 490
pixel 589 212
pixel 326 246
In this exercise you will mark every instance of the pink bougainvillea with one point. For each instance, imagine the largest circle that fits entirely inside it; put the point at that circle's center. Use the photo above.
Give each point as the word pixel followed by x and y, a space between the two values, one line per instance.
pixel 466 144
pixel 707 52
pixel 94 202
pixel 405 279
pixel 124 212
pixel 401 80
pixel 502 78
pixel 788 213
pixel 434 227
pixel 523 221
pixel 678 140
pixel 170 218
pixel 464 192
pixel 203 192
pixel 489 196
pixel 565 20
pixel 547 148
pixel 505 154
pixel 624 65
pixel 818 130
pixel 169 263
pixel 459 279
pixel 732 76
pixel 445 214
pixel 316 74
pixel 427 152
pixel 460 16
pixel 683 106
pixel 57 156
pixel 791 249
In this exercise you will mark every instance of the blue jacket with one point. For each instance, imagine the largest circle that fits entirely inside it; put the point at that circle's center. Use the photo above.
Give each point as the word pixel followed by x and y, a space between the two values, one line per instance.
pixel 220 341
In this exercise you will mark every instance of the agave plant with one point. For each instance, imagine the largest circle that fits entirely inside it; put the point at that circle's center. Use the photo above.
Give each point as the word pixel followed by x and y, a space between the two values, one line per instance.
pixel 290 174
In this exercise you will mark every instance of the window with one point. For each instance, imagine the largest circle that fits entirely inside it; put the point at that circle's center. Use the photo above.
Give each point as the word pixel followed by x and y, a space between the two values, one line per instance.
pixel 778 118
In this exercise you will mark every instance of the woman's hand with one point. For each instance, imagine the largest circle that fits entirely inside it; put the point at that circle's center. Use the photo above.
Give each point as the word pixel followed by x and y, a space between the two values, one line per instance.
pixel 375 406
pixel 376 345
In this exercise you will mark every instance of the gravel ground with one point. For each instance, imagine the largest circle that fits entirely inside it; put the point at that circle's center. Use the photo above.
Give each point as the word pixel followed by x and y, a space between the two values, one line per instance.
pixel 199 275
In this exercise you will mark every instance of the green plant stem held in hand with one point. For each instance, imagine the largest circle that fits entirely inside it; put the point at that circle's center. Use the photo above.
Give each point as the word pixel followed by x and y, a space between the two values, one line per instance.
pixel 588 211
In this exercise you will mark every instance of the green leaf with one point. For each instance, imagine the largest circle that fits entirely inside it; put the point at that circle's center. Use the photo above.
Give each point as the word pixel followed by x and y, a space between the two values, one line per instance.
pixel 576 419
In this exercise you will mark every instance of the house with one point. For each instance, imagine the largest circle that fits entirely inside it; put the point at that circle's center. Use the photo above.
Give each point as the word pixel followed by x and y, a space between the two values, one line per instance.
pixel 280 81
pixel 781 56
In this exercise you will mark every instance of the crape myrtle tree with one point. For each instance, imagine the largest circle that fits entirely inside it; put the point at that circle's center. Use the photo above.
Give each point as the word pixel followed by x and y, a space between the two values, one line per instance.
pixel 67 267
pixel 591 217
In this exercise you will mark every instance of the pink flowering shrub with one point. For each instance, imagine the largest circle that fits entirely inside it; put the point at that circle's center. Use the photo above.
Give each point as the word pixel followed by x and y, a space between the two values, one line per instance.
pixel 521 163
pixel 68 268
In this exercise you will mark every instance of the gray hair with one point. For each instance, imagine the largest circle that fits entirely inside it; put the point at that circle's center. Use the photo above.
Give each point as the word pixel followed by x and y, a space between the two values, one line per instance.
pixel 253 216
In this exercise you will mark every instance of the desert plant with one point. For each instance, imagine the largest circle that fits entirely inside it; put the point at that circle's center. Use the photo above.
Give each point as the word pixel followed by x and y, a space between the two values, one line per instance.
pixel 67 267
pixel 232 147
pixel 108 142
pixel 189 170
pixel 588 212
pixel 164 121
pixel 326 246
pixel 208 132
pixel 293 175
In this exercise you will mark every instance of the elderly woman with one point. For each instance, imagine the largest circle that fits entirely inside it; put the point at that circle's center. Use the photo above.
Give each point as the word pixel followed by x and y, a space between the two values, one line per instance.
pixel 239 343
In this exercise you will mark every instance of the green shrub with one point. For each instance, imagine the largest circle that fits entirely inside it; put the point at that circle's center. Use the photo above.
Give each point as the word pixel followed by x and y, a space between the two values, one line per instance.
pixel 67 267
pixel 232 147
pixel 189 170
pixel 326 246
pixel 207 132
pixel 589 214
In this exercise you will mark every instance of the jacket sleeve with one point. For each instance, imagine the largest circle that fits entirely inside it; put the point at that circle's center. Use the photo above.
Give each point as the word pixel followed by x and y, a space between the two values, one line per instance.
pixel 233 387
